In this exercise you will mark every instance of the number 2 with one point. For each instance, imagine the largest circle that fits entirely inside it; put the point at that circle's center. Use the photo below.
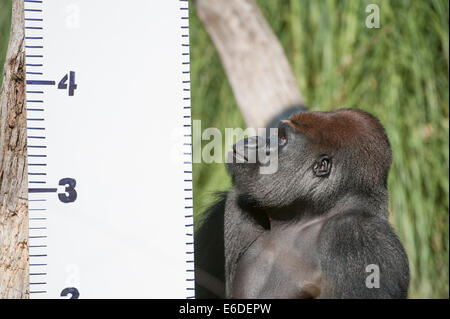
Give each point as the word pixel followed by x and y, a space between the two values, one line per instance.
pixel 72 291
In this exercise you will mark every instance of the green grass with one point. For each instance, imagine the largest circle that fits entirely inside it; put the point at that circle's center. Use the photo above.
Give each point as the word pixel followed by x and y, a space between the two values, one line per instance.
pixel 398 72
pixel 5 24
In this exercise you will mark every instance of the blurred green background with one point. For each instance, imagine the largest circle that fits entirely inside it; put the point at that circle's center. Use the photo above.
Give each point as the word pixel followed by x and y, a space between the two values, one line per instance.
pixel 5 23
pixel 399 72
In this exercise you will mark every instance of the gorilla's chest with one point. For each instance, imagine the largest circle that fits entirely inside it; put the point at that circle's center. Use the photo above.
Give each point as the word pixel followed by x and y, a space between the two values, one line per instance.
pixel 280 263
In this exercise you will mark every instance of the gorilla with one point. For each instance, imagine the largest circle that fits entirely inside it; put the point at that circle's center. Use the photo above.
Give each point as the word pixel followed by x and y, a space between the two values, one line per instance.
pixel 316 228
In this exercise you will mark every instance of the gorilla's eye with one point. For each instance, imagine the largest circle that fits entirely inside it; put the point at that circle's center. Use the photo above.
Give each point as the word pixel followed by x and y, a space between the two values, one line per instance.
pixel 282 135
pixel 322 166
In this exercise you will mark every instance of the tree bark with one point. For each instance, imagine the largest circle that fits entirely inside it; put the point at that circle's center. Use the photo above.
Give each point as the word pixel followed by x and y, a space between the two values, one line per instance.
pixel 254 61
pixel 13 166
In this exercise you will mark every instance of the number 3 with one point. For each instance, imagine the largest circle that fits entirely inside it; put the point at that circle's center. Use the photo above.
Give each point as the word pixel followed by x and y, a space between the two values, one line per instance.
pixel 70 194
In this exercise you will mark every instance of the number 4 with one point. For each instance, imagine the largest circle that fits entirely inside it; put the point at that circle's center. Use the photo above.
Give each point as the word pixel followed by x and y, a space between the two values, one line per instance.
pixel 72 86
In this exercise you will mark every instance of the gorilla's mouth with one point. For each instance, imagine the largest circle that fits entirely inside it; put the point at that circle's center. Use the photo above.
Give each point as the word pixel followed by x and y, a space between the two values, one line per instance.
pixel 240 158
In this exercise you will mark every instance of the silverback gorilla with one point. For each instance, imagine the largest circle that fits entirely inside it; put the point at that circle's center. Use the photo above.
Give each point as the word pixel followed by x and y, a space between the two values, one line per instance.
pixel 313 229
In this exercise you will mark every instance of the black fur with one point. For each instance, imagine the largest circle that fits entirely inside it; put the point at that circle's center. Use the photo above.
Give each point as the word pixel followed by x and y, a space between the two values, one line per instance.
pixel 210 251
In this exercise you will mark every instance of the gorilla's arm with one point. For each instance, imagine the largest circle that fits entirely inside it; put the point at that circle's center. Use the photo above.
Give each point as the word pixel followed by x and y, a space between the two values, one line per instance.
pixel 210 252
pixel 351 241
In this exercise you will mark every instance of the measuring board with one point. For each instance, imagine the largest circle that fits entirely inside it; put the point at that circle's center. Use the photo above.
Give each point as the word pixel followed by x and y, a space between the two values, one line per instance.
pixel 109 149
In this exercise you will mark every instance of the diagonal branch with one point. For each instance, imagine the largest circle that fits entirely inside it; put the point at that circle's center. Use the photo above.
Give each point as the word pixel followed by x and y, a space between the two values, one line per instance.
pixel 256 66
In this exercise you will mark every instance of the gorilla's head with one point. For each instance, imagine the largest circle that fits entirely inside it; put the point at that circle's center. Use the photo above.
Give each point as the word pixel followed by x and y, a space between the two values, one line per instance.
pixel 321 156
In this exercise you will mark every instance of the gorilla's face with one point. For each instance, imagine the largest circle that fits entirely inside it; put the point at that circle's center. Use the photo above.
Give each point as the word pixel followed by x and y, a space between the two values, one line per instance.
pixel 318 154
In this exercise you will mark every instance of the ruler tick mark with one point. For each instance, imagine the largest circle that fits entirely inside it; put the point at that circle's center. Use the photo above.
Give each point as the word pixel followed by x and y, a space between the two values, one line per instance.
pixel 40 82
pixel 42 190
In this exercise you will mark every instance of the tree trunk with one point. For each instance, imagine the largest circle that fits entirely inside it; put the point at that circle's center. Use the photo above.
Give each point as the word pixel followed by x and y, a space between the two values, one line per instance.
pixel 13 166
pixel 256 66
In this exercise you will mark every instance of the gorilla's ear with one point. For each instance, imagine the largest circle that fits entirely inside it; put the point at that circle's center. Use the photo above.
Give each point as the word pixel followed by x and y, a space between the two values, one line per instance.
pixel 322 166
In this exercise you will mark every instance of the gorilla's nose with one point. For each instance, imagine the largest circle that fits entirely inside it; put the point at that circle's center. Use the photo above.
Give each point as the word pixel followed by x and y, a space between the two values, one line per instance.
pixel 247 148
pixel 248 143
pixel 253 142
